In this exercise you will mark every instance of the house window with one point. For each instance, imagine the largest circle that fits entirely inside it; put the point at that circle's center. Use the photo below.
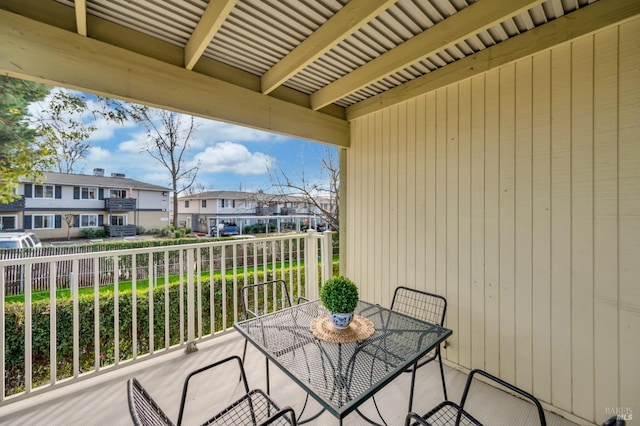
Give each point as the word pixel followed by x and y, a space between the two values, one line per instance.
pixel 8 222
pixel 88 220
pixel 118 193
pixel 43 191
pixel 88 193
pixel 227 203
pixel 204 204
pixel 186 204
pixel 43 221
pixel 118 219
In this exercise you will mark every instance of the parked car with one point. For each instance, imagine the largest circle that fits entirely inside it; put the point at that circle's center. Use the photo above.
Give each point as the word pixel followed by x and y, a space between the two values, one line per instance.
pixel 225 230
pixel 19 240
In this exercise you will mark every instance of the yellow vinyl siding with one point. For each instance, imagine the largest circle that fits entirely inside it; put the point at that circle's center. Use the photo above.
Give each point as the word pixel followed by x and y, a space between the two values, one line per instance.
pixel 516 194
pixel 629 213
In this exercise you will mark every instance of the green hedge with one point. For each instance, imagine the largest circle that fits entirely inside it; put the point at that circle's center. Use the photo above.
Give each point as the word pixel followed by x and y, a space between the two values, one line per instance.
pixel 15 319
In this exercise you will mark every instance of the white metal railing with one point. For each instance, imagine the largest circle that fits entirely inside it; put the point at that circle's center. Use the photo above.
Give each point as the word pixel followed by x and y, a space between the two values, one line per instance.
pixel 137 303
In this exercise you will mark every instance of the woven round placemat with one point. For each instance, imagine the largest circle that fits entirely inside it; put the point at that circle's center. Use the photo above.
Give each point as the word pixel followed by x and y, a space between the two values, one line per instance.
pixel 361 328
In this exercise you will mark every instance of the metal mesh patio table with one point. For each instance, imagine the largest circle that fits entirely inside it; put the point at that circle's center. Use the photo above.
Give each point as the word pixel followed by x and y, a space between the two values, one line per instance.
pixel 341 376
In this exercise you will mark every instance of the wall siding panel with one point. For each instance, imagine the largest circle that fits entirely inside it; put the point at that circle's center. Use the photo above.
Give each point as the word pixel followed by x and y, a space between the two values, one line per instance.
pixel 451 183
pixel 516 194
pixel 582 227
pixel 477 223
pixel 541 224
pixel 491 224
pixel 523 225
pixel 605 206
pixel 464 223
pixel 629 212
pixel 506 219
pixel 561 227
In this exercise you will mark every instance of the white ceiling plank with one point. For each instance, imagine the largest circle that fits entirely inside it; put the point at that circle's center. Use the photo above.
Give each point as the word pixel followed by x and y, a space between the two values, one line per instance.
pixel 598 15
pixel 346 21
pixel 209 24
pixel 466 23
pixel 43 53
pixel 81 17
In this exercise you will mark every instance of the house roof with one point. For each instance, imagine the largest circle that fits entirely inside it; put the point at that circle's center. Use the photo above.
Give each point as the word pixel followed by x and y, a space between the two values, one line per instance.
pixel 302 68
pixel 71 179
pixel 242 195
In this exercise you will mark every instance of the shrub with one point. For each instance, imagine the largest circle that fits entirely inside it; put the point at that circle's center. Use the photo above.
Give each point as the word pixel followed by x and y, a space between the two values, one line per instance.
pixel 41 324
pixel 339 295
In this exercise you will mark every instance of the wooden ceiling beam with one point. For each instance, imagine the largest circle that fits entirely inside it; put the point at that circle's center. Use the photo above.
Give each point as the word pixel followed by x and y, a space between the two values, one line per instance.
pixel 210 22
pixel 345 22
pixel 81 17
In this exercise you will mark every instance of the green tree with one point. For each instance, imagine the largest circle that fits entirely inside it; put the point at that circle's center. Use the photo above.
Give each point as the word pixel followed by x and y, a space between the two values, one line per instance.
pixel 67 120
pixel 19 155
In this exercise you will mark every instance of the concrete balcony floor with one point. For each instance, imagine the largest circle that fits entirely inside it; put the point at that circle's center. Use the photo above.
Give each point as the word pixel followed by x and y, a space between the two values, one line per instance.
pixel 102 400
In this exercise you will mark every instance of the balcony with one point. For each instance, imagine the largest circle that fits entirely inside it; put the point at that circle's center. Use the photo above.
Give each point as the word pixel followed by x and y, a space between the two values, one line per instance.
pixel 17 205
pixel 94 376
pixel 120 204
pixel 102 399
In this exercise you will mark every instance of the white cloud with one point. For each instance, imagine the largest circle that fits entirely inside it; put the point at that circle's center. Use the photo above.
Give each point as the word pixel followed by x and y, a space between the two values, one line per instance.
pixel 131 146
pixel 216 131
pixel 234 158
pixel 161 179
pixel 97 155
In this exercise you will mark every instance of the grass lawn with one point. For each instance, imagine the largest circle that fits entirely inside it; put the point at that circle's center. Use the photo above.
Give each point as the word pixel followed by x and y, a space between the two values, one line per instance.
pixel 125 286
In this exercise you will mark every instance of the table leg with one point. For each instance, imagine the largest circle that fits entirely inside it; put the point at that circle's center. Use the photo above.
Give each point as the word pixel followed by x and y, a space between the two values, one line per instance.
pixel 413 383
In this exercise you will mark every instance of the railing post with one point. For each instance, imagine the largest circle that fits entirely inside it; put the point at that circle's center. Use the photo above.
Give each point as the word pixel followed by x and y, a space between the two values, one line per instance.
pixel 191 316
pixel 311 265
pixel 326 248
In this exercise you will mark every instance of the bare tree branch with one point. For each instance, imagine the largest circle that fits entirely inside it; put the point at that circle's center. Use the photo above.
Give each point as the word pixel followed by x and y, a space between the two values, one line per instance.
pixel 167 141
pixel 314 193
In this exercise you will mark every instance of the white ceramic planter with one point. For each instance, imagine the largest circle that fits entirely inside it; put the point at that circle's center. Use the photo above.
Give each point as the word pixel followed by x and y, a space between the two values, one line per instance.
pixel 341 321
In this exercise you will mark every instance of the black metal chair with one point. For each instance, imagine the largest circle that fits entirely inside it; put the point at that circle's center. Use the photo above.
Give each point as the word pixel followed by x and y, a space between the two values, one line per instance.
pixel 253 408
pixel 260 299
pixel 450 413
pixel 425 306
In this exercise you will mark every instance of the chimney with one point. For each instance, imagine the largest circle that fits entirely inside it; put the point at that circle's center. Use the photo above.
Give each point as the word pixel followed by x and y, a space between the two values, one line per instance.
pixel 98 172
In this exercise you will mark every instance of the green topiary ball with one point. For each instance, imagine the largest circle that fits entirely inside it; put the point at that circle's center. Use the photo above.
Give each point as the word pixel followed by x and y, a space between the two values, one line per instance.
pixel 339 295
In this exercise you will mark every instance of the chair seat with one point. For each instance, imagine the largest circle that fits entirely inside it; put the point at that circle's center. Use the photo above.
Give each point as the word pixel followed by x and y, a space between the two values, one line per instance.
pixel 253 408
pixel 450 413
pixel 446 413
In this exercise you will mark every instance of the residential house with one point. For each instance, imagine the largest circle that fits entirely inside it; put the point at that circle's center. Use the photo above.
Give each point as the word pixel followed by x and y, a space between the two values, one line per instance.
pixel 204 210
pixel 114 203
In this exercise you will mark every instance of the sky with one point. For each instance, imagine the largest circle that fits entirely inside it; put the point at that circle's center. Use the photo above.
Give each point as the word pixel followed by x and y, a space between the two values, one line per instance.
pixel 231 157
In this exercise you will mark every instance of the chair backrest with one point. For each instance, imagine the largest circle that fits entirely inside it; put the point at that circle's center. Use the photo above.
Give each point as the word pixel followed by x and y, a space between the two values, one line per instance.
pixel 222 364
pixel 419 304
pixel 143 409
pixel 263 298
pixel 494 409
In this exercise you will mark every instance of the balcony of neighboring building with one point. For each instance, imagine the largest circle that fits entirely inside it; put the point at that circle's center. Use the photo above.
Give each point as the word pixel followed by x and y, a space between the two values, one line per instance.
pixel 120 204
pixel 15 205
